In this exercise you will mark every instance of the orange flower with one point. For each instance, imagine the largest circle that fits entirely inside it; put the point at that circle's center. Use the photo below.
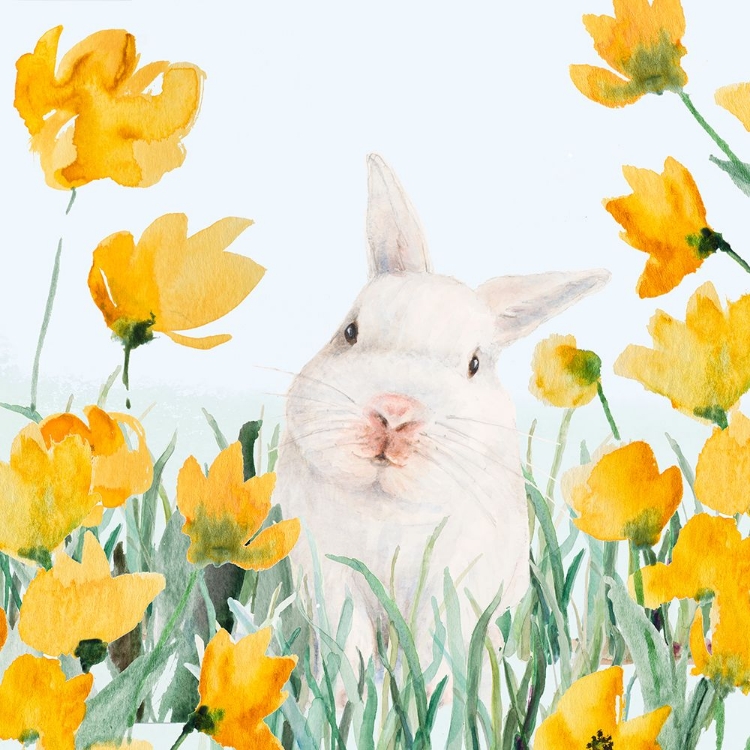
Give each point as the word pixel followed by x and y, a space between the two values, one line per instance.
pixel 239 686
pixel 45 493
pixel 589 715
pixel 38 703
pixel 710 558
pixel 170 282
pixel 702 365
pixel 642 43
pixel 96 116
pixel 81 604
pixel 118 471
pixel 664 216
pixel 722 475
pixel 622 495
pixel 223 514
pixel 3 628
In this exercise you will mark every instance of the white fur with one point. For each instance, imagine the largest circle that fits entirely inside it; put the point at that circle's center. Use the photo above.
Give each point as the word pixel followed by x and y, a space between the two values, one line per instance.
pixel 417 333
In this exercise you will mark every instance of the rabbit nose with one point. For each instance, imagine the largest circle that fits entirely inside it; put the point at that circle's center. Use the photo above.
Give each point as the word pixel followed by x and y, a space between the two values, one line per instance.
pixel 394 410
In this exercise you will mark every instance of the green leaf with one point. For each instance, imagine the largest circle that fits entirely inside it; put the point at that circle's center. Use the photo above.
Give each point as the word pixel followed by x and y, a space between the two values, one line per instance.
pixel 457 652
pixel 248 435
pixel 662 681
pixel 541 510
pixel 740 173
pixel 148 506
pixel 221 441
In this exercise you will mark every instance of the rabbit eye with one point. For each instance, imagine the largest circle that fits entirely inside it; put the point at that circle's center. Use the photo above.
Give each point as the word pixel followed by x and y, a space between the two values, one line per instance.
pixel 473 366
pixel 350 333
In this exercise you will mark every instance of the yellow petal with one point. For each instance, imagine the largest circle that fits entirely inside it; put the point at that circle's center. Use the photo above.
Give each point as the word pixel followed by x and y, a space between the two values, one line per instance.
pixel 603 86
pixel 74 602
pixel 239 686
pixel 270 546
pixel 641 733
pixel 3 628
pixel 37 700
pixel 736 99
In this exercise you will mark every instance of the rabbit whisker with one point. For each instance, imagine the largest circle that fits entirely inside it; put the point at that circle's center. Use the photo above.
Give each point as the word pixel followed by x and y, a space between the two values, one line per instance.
pixel 310 434
pixel 470 458
pixel 306 377
pixel 504 427
pixel 304 398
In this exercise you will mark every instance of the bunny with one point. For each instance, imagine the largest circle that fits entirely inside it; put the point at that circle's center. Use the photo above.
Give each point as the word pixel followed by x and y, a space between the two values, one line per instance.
pixel 400 422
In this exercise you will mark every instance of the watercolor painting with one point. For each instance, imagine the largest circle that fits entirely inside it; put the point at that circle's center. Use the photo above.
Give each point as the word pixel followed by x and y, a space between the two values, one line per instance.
pixel 373 377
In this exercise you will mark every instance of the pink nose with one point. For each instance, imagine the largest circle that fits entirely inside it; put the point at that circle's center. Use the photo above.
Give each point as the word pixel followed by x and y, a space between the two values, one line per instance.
pixel 394 409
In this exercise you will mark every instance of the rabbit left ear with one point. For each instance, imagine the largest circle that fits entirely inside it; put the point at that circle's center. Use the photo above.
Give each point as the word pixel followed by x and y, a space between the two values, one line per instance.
pixel 395 239
pixel 521 303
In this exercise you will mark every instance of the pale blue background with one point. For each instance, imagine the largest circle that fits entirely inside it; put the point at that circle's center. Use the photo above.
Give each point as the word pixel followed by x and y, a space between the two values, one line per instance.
pixel 471 104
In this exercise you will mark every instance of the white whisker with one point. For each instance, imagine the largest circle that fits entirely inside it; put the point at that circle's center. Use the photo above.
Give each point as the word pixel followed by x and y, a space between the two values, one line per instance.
pixel 504 427
pixel 306 377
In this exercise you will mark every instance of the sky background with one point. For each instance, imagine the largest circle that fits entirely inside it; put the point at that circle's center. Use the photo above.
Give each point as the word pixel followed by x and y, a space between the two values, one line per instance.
pixel 506 163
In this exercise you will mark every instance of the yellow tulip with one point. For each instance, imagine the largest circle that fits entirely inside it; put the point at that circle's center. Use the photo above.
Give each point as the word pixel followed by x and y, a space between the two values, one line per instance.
pixel 564 375
pixel 38 703
pixel 589 715
pixel 643 44
pixel 664 216
pixel 45 493
pixel 736 99
pixel 702 365
pixel 93 115
pixel 622 495
pixel 710 558
pixel 223 514
pixel 722 475
pixel 239 685
pixel 81 604
pixel 118 471
pixel 169 282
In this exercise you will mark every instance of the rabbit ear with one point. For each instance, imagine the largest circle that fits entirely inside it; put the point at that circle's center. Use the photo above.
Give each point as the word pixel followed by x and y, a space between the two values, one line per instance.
pixel 521 303
pixel 395 239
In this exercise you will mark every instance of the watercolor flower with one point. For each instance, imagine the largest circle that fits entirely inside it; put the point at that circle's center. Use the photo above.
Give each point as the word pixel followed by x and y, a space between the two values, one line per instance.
pixel 710 558
pixel 96 116
pixel 169 282
pixel 736 99
pixel 562 374
pixel 128 745
pixel 622 495
pixel 78 608
pixel 722 474
pixel 45 493
pixel 3 628
pixel 224 513
pixel 118 472
pixel 642 44
pixel 239 685
pixel 702 365
pixel 664 216
pixel 38 704
pixel 589 715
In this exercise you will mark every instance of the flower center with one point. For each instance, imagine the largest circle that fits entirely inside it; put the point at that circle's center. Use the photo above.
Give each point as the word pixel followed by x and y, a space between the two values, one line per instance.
pixel 600 741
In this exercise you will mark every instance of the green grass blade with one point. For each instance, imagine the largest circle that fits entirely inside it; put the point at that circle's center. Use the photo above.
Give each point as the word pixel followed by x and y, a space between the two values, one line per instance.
pixel 570 580
pixel 424 570
pixel 395 694
pixel 432 708
pixel 366 737
pixel 686 469
pixel 457 653
pixel 542 512
pixel 221 441
pixel 405 638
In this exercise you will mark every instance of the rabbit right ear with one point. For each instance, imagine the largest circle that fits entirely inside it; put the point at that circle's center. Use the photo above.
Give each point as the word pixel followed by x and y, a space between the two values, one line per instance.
pixel 395 238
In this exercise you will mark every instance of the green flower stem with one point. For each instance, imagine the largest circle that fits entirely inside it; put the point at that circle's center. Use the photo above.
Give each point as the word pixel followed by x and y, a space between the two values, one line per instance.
pixel 167 632
pixel 715 137
pixel 695 713
pixel 728 250
pixel 186 730
pixel 720 719
pixel 635 571
pixel 562 437
pixel 607 412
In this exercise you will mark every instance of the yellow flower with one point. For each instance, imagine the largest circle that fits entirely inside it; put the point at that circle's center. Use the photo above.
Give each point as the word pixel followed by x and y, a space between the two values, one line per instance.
pixel 170 282
pixel 562 374
pixel 642 43
pixel 736 99
pixel 81 602
pixel 239 685
pixel 118 471
pixel 589 714
pixel 44 494
pixel 38 703
pixel 664 216
pixel 3 628
pixel 130 745
pixel 622 495
pixel 722 475
pixel 710 557
pixel 702 365
pixel 96 116
pixel 223 514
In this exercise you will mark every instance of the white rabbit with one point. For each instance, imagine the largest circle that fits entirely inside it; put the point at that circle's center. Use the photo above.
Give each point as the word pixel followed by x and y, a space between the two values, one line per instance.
pixel 400 421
